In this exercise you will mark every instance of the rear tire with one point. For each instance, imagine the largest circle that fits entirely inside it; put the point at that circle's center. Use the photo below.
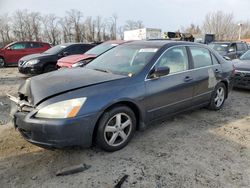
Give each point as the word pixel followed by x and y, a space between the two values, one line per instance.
pixel 2 62
pixel 116 128
pixel 218 97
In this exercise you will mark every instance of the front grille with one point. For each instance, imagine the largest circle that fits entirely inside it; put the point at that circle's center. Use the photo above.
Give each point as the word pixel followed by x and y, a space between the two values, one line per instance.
pixel 242 78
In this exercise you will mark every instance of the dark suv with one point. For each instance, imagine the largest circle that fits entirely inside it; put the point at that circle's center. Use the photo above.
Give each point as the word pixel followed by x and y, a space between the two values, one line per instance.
pixel 46 61
pixel 233 50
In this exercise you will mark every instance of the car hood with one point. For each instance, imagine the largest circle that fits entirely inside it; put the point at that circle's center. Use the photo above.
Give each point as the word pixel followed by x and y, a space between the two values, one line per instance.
pixel 76 58
pixel 243 65
pixel 42 87
pixel 35 56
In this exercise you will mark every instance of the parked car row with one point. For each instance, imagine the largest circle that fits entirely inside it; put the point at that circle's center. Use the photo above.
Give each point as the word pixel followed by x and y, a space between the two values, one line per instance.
pixel 120 91
pixel 46 61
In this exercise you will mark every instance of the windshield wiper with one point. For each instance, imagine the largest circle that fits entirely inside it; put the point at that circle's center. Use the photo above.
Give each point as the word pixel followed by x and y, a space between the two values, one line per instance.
pixel 103 70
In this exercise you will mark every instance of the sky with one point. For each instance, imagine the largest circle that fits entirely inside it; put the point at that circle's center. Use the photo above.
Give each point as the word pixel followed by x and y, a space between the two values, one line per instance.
pixel 168 15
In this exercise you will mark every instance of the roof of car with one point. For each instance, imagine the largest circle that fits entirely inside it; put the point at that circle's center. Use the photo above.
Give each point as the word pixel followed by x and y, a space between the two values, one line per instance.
pixel 227 42
pixel 116 41
pixel 74 43
pixel 159 43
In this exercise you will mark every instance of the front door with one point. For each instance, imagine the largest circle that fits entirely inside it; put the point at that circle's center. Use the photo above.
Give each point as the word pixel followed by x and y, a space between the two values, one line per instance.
pixel 168 94
pixel 15 52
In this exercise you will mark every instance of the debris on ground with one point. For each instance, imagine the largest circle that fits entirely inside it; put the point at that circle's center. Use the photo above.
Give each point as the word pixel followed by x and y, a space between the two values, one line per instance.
pixel 122 180
pixel 72 170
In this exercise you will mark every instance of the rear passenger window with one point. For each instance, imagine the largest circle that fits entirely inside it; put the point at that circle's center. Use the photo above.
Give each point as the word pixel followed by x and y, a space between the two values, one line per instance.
pixel 35 45
pixel 175 58
pixel 201 57
pixel 85 48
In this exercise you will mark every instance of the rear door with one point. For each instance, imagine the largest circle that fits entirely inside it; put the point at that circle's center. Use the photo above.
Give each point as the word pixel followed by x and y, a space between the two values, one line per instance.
pixel 206 73
pixel 173 92
pixel 15 52
pixel 35 47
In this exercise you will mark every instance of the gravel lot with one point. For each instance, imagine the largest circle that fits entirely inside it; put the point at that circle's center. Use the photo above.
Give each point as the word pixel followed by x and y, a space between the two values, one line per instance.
pixel 201 148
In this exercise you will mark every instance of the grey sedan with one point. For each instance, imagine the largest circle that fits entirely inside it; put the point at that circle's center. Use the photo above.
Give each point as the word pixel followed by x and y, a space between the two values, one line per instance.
pixel 121 91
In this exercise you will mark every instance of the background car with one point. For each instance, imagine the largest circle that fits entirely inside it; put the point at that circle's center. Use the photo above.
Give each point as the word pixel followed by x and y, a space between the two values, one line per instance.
pixel 242 71
pixel 127 88
pixel 10 54
pixel 46 61
pixel 83 59
pixel 232 50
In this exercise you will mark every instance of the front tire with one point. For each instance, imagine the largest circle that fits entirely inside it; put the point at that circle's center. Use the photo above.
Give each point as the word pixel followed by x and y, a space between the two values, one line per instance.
pixel 218 97
pixel 116 128
pixel 2 62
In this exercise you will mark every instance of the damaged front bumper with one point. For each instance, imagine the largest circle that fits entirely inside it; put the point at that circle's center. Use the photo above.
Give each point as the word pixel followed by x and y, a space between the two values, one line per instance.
pixel 52 133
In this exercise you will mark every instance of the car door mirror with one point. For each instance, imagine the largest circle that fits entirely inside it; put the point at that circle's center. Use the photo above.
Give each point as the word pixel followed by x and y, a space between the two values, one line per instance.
pixel 227 58
pixel 159 72
pixel 231 50
pixel 65 54
pixel 9 48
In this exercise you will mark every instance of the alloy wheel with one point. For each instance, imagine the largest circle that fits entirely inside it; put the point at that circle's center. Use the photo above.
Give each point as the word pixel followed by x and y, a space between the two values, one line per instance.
pixel 118 129
pixel 220 97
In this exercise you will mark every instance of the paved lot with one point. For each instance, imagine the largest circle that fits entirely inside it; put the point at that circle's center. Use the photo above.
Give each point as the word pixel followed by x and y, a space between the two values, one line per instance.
pixel 201 148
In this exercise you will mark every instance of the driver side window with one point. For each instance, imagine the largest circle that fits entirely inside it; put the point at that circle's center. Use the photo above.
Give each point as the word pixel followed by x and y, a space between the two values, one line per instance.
pixel 18 46
pixel 175 58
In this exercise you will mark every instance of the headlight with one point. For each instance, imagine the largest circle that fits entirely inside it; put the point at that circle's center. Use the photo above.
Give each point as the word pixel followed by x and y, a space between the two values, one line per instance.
pixel 31 62
pixel 63 109
pixel 78 64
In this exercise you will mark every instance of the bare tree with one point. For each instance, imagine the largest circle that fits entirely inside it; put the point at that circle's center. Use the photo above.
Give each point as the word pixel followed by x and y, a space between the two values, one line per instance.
pixel 51 29
pixel 5 29
pixel 220 24
pixel 89 29
pixel 26 25
pixel 18 25
pixel 113 26
pixel 193 29
pixel 130 25
pixel 245 32
pixel 75 19
pixel 99 25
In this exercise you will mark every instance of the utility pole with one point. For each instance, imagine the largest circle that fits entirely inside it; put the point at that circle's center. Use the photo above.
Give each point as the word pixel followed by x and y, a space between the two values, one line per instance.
pixel 240 28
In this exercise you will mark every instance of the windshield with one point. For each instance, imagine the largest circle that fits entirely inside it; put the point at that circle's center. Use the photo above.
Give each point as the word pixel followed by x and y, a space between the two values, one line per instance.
pixel 246 56
pixel 124 60
pixel 219 47
pixel 55 50
pixel 101 48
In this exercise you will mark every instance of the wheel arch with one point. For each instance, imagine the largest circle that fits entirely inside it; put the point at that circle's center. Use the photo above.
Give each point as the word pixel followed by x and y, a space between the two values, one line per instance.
pixel 134 107
pixel 227 85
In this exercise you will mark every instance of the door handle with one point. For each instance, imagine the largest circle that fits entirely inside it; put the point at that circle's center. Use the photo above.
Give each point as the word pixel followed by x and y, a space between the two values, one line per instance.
pixel 217 71
pixel 188 78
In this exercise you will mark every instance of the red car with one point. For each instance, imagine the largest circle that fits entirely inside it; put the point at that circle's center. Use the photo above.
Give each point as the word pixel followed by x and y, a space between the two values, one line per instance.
pixel 83 59
pixel 10 54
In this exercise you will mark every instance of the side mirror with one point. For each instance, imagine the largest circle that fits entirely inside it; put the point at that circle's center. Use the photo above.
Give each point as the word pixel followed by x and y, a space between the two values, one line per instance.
pixel 9 48
pixel 159 71
pixel 65 54
pixel 231 50
pixel 226 58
